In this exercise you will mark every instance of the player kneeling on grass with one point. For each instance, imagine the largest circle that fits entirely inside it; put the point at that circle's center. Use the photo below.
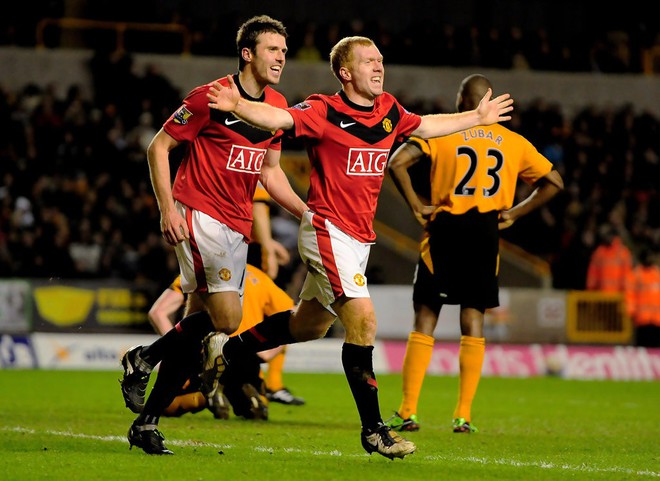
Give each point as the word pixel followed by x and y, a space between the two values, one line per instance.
pixel 245 391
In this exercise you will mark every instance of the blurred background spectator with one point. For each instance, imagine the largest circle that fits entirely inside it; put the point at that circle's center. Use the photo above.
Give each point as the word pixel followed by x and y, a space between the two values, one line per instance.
pixel 558 36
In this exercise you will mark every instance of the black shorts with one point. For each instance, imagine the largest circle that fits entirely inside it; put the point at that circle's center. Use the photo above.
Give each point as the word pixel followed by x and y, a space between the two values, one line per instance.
pixel 465 256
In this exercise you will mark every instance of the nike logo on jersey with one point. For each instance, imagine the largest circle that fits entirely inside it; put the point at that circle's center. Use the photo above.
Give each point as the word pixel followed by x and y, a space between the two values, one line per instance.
pixel 233 126
pixel 343 124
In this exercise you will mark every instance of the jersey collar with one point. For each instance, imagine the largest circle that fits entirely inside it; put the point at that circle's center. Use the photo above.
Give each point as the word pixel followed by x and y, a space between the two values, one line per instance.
pixel 353 105
pixel 244 94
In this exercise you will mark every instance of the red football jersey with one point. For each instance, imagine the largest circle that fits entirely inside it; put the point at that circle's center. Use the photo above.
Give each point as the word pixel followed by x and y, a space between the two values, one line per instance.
pixel 223 158
pixel 348 146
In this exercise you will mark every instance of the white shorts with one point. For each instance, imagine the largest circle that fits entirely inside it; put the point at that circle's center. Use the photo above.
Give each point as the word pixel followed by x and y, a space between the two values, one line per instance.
pixel 213 258
pixel 336 262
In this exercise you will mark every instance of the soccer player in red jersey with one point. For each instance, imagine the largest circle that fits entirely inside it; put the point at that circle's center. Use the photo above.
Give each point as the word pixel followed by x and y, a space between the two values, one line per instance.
pixel 348 137
pixel 207 214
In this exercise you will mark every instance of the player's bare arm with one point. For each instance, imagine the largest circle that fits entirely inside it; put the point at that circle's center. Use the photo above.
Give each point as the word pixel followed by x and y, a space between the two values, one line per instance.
pixel 259 114
pixel 273 253
pixel 172 225
pixel 277 185
pixel 403 158
pixel 547 188
pixel 162 311
pixel 488 112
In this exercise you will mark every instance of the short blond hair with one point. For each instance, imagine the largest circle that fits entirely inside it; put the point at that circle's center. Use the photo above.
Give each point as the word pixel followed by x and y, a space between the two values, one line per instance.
pixel 342 53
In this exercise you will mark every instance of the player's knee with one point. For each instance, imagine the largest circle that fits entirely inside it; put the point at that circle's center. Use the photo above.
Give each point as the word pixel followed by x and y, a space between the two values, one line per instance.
pixel 226 320
pixel 315 332
pixel 227 324
pixel 308 329
pixel 229 330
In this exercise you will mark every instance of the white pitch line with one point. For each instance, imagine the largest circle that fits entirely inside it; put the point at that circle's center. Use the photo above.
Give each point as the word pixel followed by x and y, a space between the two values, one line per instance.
pixel 584 468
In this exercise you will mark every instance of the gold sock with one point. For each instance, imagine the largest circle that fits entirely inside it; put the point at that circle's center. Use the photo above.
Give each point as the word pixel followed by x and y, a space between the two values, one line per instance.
pixel 418 356
pixel 471 359
pixel 191 402
pixel 274 374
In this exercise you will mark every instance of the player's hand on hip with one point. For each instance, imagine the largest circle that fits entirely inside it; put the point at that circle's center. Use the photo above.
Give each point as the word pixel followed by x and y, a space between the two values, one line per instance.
pixel 424 214
pixel 224 98
pixel 505 221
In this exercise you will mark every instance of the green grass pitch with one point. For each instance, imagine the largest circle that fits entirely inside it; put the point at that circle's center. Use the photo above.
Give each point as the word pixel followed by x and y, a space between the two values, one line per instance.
pixel 61 425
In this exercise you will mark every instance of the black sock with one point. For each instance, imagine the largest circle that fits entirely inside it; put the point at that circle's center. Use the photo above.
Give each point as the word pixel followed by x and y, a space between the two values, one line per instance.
pixel 174 371
pixel 358 367
pixel 144 419
pixel 273 331
pixel 190 331
pixel 247 369
pixel 243 371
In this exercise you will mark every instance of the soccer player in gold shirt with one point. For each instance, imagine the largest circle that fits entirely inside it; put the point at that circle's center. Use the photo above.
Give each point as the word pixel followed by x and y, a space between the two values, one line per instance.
pixel 473 181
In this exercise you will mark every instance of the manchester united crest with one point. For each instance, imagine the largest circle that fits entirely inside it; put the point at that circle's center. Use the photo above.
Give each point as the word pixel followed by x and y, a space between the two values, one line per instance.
pixel 359 280
pixel 224 274
pixel 387 125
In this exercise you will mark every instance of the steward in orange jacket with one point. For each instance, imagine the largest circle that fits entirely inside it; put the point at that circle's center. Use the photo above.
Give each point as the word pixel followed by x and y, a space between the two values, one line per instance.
pixel 610 264
pixel 643 300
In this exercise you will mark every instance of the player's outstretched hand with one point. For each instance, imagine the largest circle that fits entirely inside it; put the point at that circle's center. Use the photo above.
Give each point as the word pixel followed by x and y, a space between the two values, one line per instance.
pixel 493 110
pixel 224 98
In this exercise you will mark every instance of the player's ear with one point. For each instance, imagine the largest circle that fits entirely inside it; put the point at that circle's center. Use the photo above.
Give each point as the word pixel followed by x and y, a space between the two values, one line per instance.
pixel 344 73
pixel 246 54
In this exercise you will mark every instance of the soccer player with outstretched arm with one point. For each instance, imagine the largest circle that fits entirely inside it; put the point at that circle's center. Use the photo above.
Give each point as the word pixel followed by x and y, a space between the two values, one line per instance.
pixel 348 137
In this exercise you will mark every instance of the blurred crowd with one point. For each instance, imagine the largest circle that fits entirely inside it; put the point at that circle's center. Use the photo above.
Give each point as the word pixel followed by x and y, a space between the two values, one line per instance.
pixel 76 199
pixel 429 43
pixel 555 36
pixel 75 194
